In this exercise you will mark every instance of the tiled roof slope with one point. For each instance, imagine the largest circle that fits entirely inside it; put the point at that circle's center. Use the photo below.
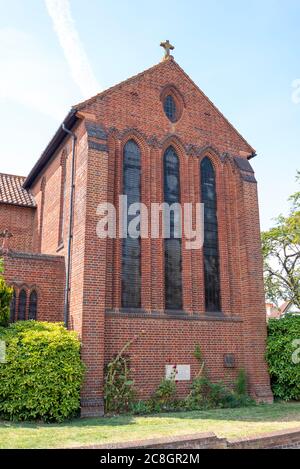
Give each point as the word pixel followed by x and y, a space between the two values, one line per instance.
pixel 12 191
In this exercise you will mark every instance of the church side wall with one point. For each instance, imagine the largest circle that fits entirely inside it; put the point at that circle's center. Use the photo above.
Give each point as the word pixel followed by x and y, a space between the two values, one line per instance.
pixel 52 203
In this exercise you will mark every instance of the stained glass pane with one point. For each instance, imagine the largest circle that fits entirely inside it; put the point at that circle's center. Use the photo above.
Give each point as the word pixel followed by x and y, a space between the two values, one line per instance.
pixel 32 305
pixel 211 251
pixel 131 247
pixel 22 305
pixel 173 260
pixel 170 108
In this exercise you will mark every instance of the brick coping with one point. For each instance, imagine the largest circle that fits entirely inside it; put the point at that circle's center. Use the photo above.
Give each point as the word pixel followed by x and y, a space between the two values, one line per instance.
pixel 159 442
pixel 292 431
pixel 33 255
pixel 267 438
pixel 281 438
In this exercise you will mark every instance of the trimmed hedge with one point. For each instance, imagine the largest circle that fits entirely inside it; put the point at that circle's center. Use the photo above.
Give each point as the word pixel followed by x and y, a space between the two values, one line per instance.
pixel 43 373
pixel 283 353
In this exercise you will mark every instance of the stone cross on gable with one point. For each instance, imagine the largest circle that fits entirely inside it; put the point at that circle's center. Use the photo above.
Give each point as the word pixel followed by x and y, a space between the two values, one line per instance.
pixel 5 235
pixel 167 46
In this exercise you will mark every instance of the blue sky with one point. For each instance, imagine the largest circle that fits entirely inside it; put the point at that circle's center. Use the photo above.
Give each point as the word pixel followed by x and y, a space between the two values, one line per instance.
pixel 244 55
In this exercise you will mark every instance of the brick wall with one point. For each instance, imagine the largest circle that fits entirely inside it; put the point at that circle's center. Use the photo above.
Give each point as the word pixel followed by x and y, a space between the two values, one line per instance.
pixel 20 221
pixel 45 274
pixel 165 340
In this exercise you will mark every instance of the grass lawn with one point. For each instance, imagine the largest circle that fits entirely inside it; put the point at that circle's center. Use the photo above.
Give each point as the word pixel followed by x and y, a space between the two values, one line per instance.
pixel 228 423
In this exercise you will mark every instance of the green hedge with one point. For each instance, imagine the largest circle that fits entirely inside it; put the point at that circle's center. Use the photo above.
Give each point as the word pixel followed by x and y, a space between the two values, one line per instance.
pixel 43 373
pixel 282 355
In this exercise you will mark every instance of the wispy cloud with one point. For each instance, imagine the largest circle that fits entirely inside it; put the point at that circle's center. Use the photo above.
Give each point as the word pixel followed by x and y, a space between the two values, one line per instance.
pixel 64 26
pixel 30 77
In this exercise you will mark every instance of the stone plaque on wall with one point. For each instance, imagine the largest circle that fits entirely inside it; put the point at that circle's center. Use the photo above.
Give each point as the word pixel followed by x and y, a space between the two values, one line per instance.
pixel 183 372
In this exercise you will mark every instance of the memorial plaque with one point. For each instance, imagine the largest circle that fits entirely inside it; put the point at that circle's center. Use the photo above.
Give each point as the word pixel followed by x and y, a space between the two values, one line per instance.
pixel 183 372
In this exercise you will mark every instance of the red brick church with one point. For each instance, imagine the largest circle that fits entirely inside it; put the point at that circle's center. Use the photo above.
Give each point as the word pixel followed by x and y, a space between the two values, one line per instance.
pixel 156 138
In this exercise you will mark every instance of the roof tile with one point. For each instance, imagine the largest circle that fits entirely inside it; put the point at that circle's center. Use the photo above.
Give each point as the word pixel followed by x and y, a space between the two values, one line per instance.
pixel 12 191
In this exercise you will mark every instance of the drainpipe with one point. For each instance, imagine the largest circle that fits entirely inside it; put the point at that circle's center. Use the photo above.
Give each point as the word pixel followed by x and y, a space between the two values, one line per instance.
pixel 70 234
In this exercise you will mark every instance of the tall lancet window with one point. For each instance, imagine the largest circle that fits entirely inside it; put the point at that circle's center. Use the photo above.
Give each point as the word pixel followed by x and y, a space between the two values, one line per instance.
pixel 22 305
pixel 33 300
pixel 210 249
pixel 131 248
pixel 13 307
pixel 173 262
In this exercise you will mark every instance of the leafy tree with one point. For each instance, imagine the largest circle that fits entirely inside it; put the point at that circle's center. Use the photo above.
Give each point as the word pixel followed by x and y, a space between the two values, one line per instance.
pixel 281 252
pixel 6 293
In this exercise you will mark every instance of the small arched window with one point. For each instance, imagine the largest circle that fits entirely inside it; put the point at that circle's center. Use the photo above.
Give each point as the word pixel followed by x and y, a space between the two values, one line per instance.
pixel 173 261
pixel 22 305
pixel 170 108
pixel 13 307
pixel 131 248
pixel 211 244
pixel 32 311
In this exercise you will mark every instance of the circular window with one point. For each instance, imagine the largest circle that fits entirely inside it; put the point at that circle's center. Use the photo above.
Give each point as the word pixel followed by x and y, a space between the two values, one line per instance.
pixel 170 108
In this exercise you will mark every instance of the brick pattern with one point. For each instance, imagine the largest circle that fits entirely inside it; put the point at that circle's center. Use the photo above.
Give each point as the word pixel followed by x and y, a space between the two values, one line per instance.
pixel 20 222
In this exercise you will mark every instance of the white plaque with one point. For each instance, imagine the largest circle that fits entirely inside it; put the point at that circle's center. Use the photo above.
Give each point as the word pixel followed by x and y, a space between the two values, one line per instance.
pixel 183 372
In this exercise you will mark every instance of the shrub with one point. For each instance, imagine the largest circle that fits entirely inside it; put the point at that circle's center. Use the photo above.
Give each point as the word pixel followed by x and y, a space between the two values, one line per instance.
pixel 240 385
pixel 205 394
pixel 119 387
pixel 6 293
pixel 197 398
pixel 166 391
pixel 142 407
pixel 282 357
pixel 43 372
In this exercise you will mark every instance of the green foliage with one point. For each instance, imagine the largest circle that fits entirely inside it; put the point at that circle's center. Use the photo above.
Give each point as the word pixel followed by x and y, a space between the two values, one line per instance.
pixel 197 398
pixel 119 387
pixel 6 293
pixel 281 253
pixel 42 376
pixel 207 395
pixel 142 407
pixel 240 386
pixel 198 353
pixel 283 356
pixel 166 391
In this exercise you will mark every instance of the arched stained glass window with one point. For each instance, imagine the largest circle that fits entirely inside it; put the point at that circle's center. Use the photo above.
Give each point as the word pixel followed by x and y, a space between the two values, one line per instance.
pixel 210 248
pixel 13 307
pixel 170 108
pixel 173 261
pixel 33 299
pixel 22 305
pixel 131 247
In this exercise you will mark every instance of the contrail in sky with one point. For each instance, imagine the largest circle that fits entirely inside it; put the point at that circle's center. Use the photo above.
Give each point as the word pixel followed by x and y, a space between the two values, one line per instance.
pixel 64 26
